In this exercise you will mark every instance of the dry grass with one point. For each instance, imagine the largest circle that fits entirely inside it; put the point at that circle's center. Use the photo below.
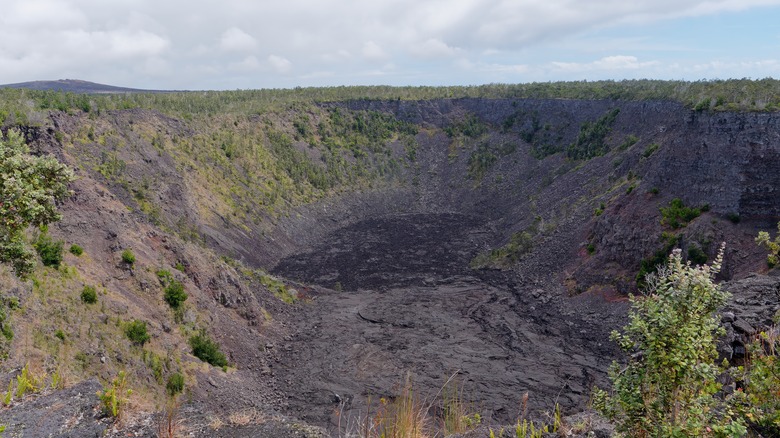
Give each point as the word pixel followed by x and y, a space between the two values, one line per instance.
pixel 246 417
pixel 215 423
pixel 410 416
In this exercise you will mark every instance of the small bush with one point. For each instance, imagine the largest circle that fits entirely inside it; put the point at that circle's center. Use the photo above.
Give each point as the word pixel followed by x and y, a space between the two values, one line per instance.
pixel 174 294
pixel 89 295
pixel 76 250
pixel 650 150
pixel 651 264
pixel 49 250
pixel 175 384
pixel 733 217
pixel 136 332
pixel 773 246
pixel 696 256
pixel 114 397
pixel 128 257
pixel 668 386
pixel 207 350
pixel 677 214
pixel 591 248
pixel 60 334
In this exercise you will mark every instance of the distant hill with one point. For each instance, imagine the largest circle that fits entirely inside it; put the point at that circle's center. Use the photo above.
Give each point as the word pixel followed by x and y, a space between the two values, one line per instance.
pixel 77 86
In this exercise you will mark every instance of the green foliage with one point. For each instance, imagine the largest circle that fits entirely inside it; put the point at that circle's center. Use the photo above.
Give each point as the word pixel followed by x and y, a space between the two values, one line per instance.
pixel 591 139
pixel 26 382
pixel 49 250
pixel 630 140
pixel 89 294
pixel 278 288
pixel 60 334
pixel 485 156
pixel 128 257
pixel 136 331
pixel 9 394
pixel 519 244
pixel 174 294
pixel 773 246
pixel 667 387
pixel 114 397
pixel 156 364
pixel 759 399
pixel 207 350
pixel 696 255
pixel 733 217
pixel 651 264
pixel 677 214
pixel 5 328
pixel 175 384
pixel 480 161
pixel 650 150
pixel 76 250
pixel 29 187
pixel 591 248
pixel 471 126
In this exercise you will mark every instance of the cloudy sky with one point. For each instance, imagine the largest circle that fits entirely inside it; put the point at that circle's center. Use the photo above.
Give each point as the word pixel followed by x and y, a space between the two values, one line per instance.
pixel 239 44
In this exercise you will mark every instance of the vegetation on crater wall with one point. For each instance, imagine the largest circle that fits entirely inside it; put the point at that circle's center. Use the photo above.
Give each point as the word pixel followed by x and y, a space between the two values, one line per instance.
pixel 29 187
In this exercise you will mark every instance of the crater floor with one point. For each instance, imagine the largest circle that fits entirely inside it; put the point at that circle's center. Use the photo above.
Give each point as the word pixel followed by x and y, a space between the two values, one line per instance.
pixel 409 304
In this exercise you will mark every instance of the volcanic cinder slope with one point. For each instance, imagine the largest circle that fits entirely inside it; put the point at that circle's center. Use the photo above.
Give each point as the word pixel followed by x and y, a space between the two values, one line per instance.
pixel 393 276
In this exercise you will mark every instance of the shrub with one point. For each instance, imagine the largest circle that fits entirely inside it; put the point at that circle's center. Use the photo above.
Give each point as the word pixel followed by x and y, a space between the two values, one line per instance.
pixel 114 397
pixel 773 246
pixel 733 217
pixel 76 250
pixel 650 150
pixel 207 350
pixel 175 384
pixel 136 332
pixel 759 400
pixel 667 387
pixel 696 255
pixel 60 334
pixel 677 214
pixel 591 248
pixel 30 186
pixel 591 139
pixel 89 295
pixel 651 264
pixel 174 294
pixel 49 250
pixel 128 257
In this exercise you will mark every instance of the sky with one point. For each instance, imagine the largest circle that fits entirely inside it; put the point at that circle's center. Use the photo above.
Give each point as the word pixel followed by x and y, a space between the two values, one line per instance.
pixel 251 44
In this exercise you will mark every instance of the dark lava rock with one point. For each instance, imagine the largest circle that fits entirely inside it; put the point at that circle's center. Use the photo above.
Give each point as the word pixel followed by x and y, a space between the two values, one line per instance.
pixel 71 412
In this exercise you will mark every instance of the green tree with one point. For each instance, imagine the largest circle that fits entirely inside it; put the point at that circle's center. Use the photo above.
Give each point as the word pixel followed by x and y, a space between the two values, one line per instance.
pixel 29 187
pixel 174 294
pixel 667 387
pixel 136 331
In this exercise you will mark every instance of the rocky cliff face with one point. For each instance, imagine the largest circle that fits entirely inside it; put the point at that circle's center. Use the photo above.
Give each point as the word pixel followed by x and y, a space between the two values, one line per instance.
pixel 385 261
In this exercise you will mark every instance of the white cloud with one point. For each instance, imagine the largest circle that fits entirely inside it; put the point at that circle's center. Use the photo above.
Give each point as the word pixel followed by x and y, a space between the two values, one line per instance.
pixel 236 40
pixel 207 44
pixel 373 52
pixel 248 64
pixel 618 62
pixel 279 64
pixel 432 48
